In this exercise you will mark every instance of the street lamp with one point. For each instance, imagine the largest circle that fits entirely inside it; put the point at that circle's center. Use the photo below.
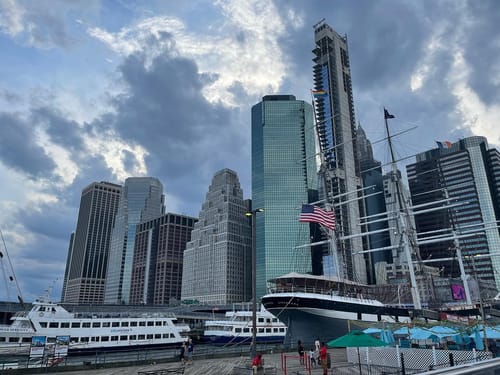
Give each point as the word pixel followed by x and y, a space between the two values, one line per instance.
pixel 253 214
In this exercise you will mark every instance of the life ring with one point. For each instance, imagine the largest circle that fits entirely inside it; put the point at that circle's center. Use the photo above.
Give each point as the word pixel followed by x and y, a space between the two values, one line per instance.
pixel 41 314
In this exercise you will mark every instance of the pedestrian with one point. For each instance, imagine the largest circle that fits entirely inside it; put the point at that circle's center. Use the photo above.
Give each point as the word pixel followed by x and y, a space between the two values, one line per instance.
pixel 190 349
pixel 323 355
pixel 300 349
pixel 257 363
pixel 312 357
pixel 182 354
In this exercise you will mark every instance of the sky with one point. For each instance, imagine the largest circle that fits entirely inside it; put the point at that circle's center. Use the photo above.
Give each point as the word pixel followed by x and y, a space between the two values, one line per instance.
pixel 96 90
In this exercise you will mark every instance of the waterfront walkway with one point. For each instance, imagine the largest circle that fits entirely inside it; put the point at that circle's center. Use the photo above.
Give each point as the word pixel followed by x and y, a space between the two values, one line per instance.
pixel 215 366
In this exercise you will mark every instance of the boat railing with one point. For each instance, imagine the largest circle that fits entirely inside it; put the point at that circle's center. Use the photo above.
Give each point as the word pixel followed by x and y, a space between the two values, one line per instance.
pixel 114 315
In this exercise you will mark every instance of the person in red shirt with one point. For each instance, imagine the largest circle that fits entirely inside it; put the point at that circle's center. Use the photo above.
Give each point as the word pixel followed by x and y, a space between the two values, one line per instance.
pixel 257 363
pixel 323 355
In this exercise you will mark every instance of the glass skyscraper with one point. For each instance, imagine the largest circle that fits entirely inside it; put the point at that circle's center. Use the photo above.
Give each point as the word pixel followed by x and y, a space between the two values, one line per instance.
pixel 284 174
pixel 340 178
pixel 141 200
pixel 468 174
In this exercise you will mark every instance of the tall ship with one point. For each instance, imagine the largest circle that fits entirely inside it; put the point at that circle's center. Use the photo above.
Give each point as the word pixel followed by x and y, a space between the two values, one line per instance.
pixel 48 324
pixel 236 328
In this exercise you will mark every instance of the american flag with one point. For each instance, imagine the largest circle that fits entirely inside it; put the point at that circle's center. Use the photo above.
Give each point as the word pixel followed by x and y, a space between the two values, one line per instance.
pixel 313 214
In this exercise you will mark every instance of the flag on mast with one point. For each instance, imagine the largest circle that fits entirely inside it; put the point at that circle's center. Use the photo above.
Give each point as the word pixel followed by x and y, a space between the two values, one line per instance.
pixel 314 214
pixel 444 144
pixel 319 93
pixel 387 114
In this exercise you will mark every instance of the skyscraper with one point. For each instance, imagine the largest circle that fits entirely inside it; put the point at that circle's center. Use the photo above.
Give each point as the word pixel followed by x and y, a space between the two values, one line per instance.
pixel 141 200
pixel 89 246
pixel 467 173
pixel 158 258
pixel 373 180
pixel 339 173
pixel 284 176
pixel 217 260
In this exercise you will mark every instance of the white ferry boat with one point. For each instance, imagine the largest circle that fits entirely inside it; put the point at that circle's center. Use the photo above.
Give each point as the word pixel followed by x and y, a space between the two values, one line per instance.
pixel 90 332
pixel 236 327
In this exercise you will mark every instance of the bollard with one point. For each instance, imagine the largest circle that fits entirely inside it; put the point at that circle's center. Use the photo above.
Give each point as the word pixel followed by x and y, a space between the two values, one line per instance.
pixel 403 372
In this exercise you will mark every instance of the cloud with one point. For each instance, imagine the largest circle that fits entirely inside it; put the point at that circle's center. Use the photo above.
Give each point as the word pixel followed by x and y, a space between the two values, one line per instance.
pixel 20 150
pixel 43 25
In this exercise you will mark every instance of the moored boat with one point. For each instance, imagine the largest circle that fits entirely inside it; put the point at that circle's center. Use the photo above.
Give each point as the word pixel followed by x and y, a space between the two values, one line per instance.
pixel 49 323
pixel 236 327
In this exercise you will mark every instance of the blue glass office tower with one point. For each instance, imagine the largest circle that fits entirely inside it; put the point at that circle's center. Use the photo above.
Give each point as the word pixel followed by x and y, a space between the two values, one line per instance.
pixel 284 173
pixel 141 200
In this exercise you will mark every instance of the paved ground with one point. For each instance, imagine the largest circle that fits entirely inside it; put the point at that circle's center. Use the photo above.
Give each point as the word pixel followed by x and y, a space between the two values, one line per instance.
pixel 215 366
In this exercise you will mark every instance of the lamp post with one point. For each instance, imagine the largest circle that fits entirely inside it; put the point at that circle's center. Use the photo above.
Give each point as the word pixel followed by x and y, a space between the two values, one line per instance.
pixel 253 214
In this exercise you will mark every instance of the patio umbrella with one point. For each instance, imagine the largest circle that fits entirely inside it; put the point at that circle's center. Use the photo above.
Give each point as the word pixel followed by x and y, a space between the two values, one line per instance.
pixel 372 330
pixel 355 339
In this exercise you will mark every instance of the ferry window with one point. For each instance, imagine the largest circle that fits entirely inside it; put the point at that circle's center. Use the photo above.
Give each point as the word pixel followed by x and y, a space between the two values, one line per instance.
pixel 124 324
pixel 150 324
pixel 96 324
pixel 42 308
pixel 86 325
pixel 133 337
pixel 104 338
pixel 133 324
pixel 43 324
pixel 123 338
pixel 13 339
pixel 2 339
pixel 53 325
pixel 275 320
pixel 261 330
pixel 51 340
pixel 172 336
pixel 261 320
pixel 165 335
pixel 268 320
pixel 142 324
pixel 94 339
pixel 73 339
pixel 157 335
pixel 246 330
pixel 64 324
pixel 114 338
pixel 275 329
pixel 115 324
pixel 238 330
pixel 149 337
pixel 158 323
pixel 26 339
pixel 106 324
pixel 75 325
pixel 268 330
pixel 282 329
pixel 84 339
pixel 142 337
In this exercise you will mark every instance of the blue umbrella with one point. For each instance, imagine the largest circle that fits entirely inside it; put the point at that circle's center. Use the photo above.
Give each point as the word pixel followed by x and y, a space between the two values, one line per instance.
pixel 477 339
pixel 372 330
pixel 387 336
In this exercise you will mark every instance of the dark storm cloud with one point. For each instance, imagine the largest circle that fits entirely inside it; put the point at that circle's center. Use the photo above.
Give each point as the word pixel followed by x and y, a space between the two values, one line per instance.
pixel 482 48
pixel 18 148
pixel 62 131
pixel 186 136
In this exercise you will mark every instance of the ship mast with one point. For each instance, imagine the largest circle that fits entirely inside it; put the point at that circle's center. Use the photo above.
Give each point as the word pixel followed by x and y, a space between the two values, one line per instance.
pixel 403 215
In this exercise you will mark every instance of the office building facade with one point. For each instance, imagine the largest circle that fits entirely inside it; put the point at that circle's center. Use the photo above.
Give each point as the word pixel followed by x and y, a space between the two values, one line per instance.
pixel 340 178
pixel 158 258
pixel 89 246
pixel 284 175
pixel 217 260
pixel 467 175
pixel 141 200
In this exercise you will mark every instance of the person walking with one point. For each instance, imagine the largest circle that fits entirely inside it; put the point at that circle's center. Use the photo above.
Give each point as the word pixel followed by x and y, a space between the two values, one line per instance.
pixel 190 349
pixel 312 358
pixel 300 349
pixel 323 356
pixel 182 354
pixel 257 364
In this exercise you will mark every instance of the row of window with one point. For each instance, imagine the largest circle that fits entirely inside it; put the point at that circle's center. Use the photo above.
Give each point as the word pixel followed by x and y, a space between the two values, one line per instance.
pixel 155 336
pixel 157 323
pixel 260 330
